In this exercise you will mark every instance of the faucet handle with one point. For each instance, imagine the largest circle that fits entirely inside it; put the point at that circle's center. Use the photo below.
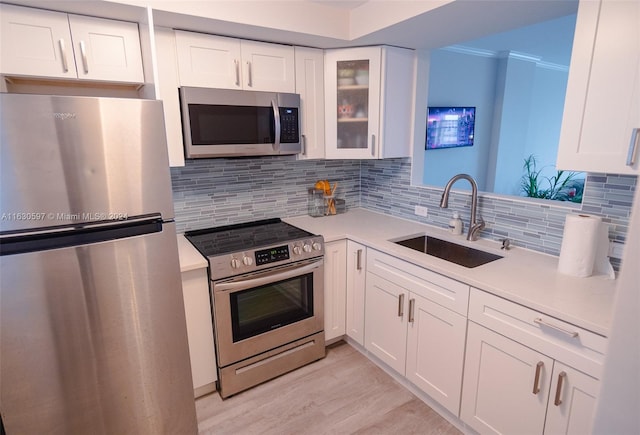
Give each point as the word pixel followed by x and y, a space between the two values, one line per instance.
pixel 506 244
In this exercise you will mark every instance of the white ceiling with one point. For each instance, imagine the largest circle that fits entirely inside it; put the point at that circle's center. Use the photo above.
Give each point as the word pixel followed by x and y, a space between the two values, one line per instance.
pixel 419 24
pixel 551 41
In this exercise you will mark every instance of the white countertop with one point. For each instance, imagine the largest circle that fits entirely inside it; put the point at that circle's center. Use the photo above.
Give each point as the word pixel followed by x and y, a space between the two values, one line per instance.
pixel 523 276
pixel 190 257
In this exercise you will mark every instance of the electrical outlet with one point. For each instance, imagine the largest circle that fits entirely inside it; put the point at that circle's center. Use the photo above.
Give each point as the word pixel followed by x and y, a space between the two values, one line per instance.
pixel 615 249
pixel 421 211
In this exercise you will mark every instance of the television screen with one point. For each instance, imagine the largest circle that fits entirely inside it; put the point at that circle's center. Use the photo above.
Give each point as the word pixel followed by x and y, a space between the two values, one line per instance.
pixel 449 127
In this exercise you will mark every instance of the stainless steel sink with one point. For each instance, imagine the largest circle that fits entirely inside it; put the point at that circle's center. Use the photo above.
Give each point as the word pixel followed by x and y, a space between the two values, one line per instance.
pixel 458 254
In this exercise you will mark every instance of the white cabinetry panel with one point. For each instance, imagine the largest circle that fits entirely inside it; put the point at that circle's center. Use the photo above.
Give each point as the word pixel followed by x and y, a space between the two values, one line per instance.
pixel 106 50
pixel 385 321
pixel 310 85
pixel 57 45
pixel 435 350
pixel 602 107
pixel 499 382
pixel 335 281
pixel 36 43
pixel 356 280
pixel 210 61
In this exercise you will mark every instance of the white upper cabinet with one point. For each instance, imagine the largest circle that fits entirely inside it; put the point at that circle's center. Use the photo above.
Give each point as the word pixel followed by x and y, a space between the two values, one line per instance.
pixel 57 45
pixel 369 102
pixel 106 50
pixel 602 108
pixel 310 86
pixel 229 63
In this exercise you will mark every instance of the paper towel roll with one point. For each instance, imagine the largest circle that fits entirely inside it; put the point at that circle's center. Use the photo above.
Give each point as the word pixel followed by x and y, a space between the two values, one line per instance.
pixel 584 247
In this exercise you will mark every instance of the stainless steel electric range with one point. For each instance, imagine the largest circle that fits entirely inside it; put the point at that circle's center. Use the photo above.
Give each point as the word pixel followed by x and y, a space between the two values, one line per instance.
pixel 266 286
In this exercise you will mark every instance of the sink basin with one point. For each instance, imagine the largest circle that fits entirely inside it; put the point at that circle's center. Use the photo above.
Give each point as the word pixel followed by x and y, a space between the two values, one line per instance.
pixel 458 254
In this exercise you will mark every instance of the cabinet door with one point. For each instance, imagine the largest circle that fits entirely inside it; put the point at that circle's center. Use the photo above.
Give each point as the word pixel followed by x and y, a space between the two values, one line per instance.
pixel 310 86
pixel 268 67
pixel 208 61
pixel 335 281
pixel 572 402
pixel 506 384
pixel 435 351
pixel 106 50
pixel 602 108
pixel 352 96
pixel 356 274
pixel 385 328
pixel 35 43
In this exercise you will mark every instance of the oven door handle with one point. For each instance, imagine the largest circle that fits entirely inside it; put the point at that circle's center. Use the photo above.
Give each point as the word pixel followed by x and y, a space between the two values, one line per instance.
pixel 266 278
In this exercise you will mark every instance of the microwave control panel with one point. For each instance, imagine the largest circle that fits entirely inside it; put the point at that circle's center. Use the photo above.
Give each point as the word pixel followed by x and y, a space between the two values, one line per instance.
pixel 289 132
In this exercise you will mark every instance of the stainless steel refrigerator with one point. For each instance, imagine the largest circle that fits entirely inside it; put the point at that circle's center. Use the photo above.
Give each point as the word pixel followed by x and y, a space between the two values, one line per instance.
pixel 92 329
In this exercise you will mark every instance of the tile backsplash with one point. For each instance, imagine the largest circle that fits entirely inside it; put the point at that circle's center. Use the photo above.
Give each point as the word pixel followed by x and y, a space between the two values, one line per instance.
pixel 213 192
pixel 535 225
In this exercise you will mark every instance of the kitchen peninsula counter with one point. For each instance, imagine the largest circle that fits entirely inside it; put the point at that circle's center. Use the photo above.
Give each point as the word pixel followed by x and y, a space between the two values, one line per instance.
pixel 523 276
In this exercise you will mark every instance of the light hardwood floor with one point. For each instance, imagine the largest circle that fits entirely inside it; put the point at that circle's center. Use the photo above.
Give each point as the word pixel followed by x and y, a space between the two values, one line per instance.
pixel 344 393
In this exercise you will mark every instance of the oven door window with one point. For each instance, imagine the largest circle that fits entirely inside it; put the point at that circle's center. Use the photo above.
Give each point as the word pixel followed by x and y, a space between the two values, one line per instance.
pixel 262 309
pixel 231 125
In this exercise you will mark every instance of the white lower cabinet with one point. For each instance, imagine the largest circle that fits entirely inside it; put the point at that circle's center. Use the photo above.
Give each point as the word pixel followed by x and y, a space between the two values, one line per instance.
pixel 410 332
pixel 500 378
pixel 572 403
pixel 386 321
pixel 524 386
pixel 197 306
pixel 356 275
pixel 435 351
pixel 335 288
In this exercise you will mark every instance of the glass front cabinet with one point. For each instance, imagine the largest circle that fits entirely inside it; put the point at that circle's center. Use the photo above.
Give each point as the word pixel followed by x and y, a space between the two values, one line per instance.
pixel 369 98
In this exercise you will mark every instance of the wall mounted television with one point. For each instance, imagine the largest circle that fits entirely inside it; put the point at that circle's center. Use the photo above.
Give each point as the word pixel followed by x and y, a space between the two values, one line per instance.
pixel 450 127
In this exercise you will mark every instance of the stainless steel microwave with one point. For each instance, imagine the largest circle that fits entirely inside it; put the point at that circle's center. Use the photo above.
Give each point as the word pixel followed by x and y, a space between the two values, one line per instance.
pixel 228 123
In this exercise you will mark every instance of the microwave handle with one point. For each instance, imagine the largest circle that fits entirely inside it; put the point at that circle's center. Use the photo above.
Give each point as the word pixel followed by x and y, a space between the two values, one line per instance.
pixel 276 117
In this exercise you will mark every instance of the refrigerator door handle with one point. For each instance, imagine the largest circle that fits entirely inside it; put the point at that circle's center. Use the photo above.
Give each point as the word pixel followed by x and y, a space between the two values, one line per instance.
pixel 33 241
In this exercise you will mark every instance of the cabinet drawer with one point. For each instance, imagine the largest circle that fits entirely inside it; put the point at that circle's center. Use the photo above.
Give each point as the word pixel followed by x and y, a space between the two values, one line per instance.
pixel 560 340
pixel 443 291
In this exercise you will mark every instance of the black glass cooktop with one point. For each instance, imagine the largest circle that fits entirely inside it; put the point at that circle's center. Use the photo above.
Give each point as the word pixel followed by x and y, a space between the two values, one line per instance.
pixel 242 237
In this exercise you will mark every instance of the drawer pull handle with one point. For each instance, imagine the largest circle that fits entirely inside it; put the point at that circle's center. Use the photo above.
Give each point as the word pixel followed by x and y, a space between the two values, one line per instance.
pixel 83 53
pixel 63 56
pixel 249 75
pixel 412 307
pixel 536 380
pixel 558 400
pixel 539 321
pixel 401 305
pixel 633 147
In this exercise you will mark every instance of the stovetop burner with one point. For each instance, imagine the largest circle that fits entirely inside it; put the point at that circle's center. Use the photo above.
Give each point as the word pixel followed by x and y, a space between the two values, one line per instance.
pixel 240 237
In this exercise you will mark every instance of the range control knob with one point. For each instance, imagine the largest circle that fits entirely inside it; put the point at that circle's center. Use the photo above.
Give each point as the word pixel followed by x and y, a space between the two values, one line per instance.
pixel 235 263
pixel 247 261
pixel 316 246
pixel 297 250
pixel 307 247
